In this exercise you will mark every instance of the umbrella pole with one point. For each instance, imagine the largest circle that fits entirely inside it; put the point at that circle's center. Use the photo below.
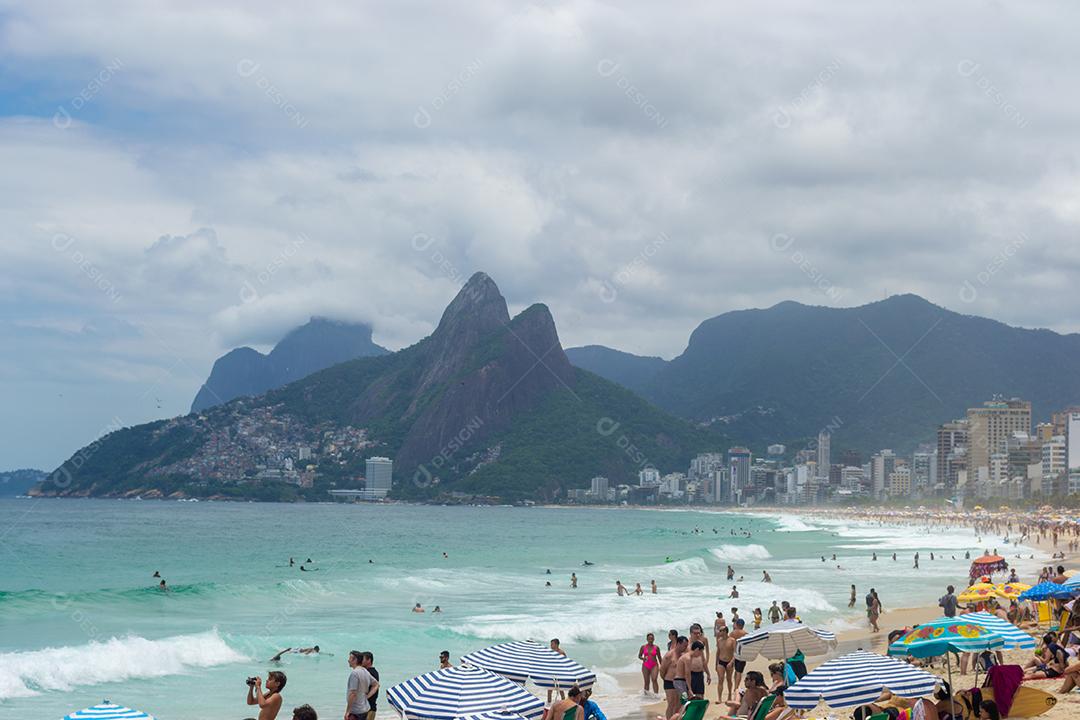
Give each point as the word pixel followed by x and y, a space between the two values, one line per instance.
pixel 952 690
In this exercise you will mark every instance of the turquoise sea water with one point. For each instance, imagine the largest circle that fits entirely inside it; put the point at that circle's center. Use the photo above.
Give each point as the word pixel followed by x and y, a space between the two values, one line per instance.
pixel 81 619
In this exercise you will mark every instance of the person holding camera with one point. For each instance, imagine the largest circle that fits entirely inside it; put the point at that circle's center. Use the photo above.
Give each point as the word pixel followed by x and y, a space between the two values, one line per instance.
pixel 269 702
pixel 360 689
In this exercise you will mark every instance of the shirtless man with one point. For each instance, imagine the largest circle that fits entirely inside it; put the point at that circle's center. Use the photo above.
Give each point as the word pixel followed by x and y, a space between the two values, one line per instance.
pixel 669 671
pixel 621 589
pixel 733 637
pixel 725 653
pixel 694 665
pixel 637 590
pixel 697 634
pixel 556 646
pixel 718 623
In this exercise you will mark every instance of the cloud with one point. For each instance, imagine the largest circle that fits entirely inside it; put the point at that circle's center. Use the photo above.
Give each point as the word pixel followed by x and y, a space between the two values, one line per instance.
pixel 218 175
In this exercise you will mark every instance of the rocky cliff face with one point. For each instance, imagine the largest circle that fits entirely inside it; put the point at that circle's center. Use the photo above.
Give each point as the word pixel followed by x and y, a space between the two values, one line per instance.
pixel 471 376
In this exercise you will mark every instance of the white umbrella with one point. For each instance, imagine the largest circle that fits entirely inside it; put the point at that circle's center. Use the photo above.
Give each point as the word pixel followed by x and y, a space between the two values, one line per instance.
pixel 783 640
pixel 530 660
pixel 108 711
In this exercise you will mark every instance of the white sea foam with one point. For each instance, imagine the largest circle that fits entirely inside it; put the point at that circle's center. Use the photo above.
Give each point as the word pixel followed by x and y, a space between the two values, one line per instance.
pixel 23 674
pixel 790 523
pixel 739 553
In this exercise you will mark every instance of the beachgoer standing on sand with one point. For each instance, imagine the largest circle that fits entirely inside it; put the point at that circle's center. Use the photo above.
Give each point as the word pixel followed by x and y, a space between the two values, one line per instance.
pixel 948 602
pixel 669 670
pixel 697 634
pixel 873 609
pixel 360 688
pixel 695 667
pixel 725 653
pixel 367 661
pixel 738 632
pixel 649 655
pixel 269 702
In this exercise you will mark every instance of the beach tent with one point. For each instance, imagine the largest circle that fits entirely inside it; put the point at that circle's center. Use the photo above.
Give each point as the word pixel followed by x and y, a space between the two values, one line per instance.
pixel 783 640
pixel 529 660
pixel 1014 637
pixel 455 692
pixel 856 679
pixel 1047 590
pixel 108 711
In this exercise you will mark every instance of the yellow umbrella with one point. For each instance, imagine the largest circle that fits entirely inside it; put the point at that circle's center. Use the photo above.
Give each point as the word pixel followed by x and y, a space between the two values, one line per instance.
pixel 978 592
pixel 1011 590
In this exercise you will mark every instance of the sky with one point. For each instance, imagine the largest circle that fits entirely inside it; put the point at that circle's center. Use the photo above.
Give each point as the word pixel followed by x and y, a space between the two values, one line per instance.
pixel 180 179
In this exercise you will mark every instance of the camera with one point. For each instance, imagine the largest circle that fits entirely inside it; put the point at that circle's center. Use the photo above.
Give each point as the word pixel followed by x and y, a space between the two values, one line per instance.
pixel 251 681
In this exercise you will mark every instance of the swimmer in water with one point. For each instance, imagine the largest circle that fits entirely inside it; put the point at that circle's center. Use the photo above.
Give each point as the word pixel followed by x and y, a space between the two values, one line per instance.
pixel 417 608
pixel 653 584
pixel 621 589
pixel 162 587
pixel 637 589
pixel 573 581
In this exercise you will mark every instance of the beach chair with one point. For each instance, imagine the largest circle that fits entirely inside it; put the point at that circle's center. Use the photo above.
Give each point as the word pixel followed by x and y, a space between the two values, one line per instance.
pixel 1044 612
pixel 759 712
pixel 1063 621
pixel 695 710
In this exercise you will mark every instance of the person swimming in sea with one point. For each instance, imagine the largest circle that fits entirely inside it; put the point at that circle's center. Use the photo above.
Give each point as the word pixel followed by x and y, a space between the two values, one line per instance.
pixel 588 564
pixel 418 608
pixel 291 562
pixel 162 586
pixel 157 574
pixel 621 589
pixel 313 650
pixel 573 581
pixel 436 610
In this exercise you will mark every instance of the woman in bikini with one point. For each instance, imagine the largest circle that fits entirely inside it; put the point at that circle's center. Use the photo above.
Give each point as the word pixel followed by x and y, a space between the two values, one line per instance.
pixel 649 655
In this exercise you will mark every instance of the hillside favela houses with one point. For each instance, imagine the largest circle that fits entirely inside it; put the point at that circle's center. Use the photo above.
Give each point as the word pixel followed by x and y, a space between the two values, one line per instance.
pixel 993 452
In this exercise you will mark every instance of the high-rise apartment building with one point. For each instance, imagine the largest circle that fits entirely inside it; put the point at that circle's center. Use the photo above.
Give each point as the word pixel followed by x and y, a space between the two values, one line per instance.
pixel 379 475
pixel 951 436
pixel 991 426
pixel 823 452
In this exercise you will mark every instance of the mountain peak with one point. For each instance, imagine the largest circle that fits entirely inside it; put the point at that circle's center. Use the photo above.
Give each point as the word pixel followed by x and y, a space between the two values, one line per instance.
pixel 478 308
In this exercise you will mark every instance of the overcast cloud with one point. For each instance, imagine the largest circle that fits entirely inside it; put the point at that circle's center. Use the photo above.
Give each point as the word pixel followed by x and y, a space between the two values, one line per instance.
pixel 176 180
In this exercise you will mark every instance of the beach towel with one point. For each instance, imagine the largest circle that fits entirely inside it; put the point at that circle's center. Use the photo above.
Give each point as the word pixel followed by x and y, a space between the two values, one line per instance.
pixel 790 678
pixel 1005 679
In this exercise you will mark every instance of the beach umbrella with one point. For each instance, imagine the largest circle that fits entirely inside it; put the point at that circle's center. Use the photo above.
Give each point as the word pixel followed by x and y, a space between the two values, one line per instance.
pixel 856 679
pixel 1012 590
pixel 1072 581
pixel 1046 590
pixel 494 715
pixel 455 692
pixel 987 565
pixel 942 635
pixel 529 660
pixel 979 592
pixel 783 640
pixel 108 711
pixel 1014 637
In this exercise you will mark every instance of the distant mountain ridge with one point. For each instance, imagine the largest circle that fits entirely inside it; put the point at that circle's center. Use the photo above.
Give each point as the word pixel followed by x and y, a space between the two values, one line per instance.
pixel 487 404
pixel 314 346
pixel 886 373
pixel 19 482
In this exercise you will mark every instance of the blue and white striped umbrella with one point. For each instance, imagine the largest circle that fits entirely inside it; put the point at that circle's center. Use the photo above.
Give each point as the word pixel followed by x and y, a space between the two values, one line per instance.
pixel 494 715
pixel 455 692
pixel 1072 582
pixel 530 660
pixel 1014 637
pixel 783 640
pixel 856 679
pixel 108 711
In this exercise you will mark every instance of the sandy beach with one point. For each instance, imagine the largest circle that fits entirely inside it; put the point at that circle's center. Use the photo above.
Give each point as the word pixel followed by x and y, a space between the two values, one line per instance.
pixel 1067 707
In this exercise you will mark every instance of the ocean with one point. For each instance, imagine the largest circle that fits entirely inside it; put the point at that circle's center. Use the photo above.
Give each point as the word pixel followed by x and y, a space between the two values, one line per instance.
pixel 81 618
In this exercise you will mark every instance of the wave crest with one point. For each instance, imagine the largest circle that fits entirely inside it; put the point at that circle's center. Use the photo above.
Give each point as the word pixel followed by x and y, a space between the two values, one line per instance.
pixel 738 553
pixel 24 674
